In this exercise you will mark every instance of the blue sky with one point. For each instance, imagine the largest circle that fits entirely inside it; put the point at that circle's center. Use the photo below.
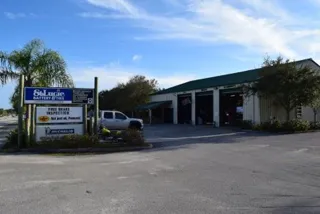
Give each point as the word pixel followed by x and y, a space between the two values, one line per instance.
pixel 171 40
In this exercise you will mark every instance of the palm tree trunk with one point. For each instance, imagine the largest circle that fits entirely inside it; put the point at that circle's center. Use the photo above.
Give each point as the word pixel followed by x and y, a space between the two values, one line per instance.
pixel 28 115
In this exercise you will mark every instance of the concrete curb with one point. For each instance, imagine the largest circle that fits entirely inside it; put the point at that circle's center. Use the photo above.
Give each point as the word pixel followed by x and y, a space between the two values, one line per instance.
pixel 80 150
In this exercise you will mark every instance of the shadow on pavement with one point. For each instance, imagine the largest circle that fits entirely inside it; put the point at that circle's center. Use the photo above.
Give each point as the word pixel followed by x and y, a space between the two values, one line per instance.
pixel 296 207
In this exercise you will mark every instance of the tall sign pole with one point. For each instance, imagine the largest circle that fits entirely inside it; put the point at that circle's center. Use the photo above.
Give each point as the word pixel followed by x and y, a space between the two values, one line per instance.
pixel 96 105
pixel 32 125
pixel 85 119
pixel 20 110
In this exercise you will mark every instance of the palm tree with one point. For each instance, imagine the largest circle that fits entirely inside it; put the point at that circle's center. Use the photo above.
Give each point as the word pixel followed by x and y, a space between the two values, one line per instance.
pixel 39 65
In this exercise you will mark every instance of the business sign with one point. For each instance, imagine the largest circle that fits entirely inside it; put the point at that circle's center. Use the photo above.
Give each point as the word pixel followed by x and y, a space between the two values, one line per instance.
pixel 38 95
pixel 47 95
pixel 44 132
pixel 82 96
pixel 60 114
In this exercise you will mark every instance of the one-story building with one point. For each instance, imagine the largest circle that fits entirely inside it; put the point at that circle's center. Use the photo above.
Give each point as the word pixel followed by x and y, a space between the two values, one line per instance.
pixel 219 100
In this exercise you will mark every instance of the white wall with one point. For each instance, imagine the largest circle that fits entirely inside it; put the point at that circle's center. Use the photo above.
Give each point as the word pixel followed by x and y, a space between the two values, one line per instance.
pixel 251 109
pixel 307 114
pixel 216 107
pixel 162 97
pixel 193 108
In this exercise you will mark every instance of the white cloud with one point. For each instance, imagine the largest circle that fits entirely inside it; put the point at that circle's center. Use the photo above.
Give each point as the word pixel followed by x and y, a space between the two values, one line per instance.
pixel 111 74
pixel 10 15
pixel 267 28
pixel 268 8
pixel 136 58
pixel 122 6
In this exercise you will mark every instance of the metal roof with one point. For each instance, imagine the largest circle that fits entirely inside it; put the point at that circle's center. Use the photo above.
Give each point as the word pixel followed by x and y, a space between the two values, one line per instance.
pixel 223 80
pixel 152 105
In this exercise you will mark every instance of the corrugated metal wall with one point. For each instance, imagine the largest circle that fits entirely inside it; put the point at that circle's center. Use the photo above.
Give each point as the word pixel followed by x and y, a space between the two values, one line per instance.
pixel 308 114
pixel 269 111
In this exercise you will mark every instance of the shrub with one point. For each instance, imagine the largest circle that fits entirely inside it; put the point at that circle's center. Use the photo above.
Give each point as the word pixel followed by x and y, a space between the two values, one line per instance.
pixel 265 126
pixel 296 125
pixel 315 125
pixel 133 137
pixel 246 124
pixel 275 126
pixel 12 140
pixel 257 127
pixel 290 126
pixel 272 126
pixel 69 142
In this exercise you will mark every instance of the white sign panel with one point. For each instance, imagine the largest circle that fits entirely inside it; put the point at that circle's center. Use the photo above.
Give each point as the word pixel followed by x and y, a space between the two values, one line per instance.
pixel 61 114
pixel 50 131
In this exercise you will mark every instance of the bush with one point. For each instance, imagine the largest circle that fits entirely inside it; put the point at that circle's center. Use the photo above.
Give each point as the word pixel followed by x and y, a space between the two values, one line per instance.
pixel 276 126
pixel 290 126
pixel 12 140
pixel 257 127
pixel 315 125
pixel 265 126
pixel 69 142
pixel 133 137
pixel 246 124
pixel 296 126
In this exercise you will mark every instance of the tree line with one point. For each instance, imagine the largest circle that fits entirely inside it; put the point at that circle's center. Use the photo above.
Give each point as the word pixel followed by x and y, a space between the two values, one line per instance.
pixel 6 112
pixel 127 96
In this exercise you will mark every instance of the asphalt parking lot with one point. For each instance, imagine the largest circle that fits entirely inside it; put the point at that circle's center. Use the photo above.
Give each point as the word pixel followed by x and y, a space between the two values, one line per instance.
pixel 190 171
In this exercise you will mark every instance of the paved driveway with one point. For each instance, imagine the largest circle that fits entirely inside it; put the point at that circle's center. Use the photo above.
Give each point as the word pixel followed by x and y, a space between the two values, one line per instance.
pixel 175 133
pixel 243 173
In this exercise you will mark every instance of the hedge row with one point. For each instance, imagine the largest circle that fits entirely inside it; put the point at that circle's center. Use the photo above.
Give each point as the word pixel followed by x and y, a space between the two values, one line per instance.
pixel 128 138
pixel 277 126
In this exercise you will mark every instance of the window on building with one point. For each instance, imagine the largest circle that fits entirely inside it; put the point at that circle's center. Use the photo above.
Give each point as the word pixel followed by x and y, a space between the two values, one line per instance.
pixel 299 112
pixel 108 115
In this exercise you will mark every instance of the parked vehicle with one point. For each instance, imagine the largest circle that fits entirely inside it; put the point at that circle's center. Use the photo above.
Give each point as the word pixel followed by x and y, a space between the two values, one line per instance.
pixel 115 120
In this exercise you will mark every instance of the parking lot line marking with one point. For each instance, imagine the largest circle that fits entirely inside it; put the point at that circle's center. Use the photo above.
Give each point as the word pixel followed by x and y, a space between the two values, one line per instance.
pixel 193 137
pixel 127 162
pixel 300 150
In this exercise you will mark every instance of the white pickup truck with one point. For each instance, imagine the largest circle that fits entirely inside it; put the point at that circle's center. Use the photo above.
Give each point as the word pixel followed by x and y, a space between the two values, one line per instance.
pixel 115 120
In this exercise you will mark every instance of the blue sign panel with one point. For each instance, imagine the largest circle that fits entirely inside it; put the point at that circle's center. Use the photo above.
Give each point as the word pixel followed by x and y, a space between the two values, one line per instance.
pixel 35 95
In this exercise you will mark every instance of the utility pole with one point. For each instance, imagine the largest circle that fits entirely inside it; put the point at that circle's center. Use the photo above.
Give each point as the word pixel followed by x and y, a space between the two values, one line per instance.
pixel 85 120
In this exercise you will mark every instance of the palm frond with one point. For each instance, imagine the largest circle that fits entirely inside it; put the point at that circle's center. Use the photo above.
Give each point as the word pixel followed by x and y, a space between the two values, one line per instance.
pixel 6 72
pixel 51 69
